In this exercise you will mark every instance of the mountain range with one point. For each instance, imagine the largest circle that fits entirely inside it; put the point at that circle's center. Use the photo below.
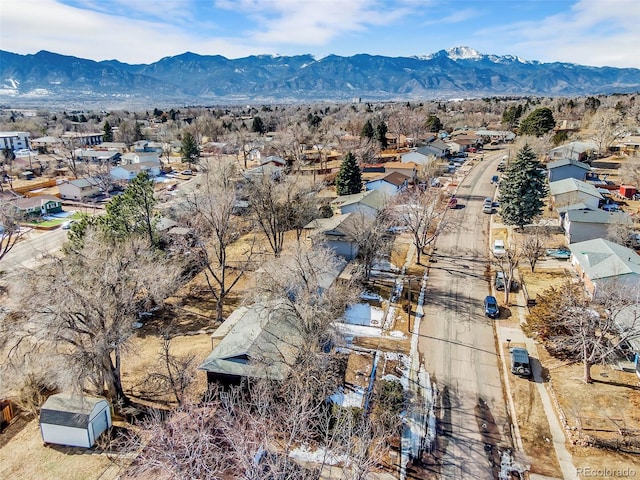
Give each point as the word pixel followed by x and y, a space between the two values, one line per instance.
pixel 208 79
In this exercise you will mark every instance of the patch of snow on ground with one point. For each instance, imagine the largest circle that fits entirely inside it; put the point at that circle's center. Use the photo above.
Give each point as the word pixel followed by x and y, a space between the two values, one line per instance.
pixel 349 398
pixel 370 296
pixel 357 330
pixel 397 334
pixel 320 455
pixel 363 314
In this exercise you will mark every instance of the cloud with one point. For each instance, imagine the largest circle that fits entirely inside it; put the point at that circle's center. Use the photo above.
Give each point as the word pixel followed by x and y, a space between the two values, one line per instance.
pixel 591 32
pixel 455 17
pixel 315 22
pixel 97 35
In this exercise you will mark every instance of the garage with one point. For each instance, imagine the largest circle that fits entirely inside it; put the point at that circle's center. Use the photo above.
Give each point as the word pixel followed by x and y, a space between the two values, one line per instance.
pixel 74 420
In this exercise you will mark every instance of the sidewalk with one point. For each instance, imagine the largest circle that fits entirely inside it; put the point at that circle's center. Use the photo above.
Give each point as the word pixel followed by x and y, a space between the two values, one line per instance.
pixel 516 335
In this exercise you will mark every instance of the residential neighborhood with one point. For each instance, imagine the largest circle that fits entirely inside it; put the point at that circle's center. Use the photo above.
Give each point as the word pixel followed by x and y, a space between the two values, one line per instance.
pixel 381 299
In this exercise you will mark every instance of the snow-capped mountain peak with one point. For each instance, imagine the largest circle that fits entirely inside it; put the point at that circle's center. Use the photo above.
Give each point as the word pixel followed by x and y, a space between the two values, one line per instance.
pixel 463 53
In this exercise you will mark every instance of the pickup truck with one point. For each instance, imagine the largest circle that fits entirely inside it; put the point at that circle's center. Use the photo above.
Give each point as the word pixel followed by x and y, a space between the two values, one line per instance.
pixel 559 253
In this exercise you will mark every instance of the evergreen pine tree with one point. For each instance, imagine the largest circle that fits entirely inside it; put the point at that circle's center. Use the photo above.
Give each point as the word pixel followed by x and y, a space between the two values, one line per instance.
pixel 381 134
pixel 367 130
pixel 349 179
pixel 107 136
pixel 190 151
pixel 522 189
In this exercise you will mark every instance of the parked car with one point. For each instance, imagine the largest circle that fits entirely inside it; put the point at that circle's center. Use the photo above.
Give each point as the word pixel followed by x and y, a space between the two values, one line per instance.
pixel 186 172
pixel 495 179
pixel 561 253
pixel 491 308
pixel 500 281
pixel 520 364
pixel 487 208
pixel 498 248
pixel 502 166
pixel 68 224
pixel 453 202
pixel 472 150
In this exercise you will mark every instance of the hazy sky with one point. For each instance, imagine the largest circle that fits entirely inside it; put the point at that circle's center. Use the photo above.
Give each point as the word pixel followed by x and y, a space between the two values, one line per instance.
pixel 590 32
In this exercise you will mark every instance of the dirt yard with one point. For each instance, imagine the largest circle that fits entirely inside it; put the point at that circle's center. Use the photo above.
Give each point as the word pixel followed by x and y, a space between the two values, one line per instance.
pixel 601 410
pixel 534 428
pixel 25 457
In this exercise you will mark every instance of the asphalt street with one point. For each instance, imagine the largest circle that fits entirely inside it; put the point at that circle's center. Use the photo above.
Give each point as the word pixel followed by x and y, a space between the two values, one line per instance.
pixel 457 342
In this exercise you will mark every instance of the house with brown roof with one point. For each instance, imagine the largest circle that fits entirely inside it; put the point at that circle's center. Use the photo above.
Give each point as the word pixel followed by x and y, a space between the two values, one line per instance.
pixel 389 183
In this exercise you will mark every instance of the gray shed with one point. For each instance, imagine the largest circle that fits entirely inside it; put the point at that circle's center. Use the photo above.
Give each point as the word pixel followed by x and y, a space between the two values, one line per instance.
pixel 74 420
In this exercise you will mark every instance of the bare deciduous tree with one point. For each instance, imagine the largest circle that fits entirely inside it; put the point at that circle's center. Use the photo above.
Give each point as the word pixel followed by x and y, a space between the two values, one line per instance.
pixel 591 332
pixel 281 205
pixel 507 263
pixel 213 207
pixel 305 278
pixel 533 245
pixel 423 213
pixel 83 306
pixel 371 236
pixel 10 231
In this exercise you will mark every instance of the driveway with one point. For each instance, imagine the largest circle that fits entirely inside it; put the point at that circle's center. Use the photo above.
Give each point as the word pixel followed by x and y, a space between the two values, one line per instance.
pixel 457 342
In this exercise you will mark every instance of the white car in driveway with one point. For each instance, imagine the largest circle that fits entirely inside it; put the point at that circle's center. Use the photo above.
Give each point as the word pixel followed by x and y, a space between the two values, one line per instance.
pixel 498 248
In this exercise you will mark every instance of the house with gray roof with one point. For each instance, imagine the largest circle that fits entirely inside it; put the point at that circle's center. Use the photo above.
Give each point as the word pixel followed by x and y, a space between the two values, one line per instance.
pixel 260 341
pixel 583 225
pixel 571 194
pixel 601 261
pixel 80 188
pixel 567 168
pixel 581 151
pixel 369 202
pixel 336 233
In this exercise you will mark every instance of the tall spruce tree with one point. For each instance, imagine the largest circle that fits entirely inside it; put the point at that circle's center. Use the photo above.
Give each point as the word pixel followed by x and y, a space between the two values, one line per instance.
pixel 190 151
pixel 522 189
pixel 107 136
pixel 349 179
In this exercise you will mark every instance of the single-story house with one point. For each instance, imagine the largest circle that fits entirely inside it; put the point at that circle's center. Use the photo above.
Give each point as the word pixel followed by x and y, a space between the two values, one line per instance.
pixel 80 188
pixel 274 160
pixel 495 136
pixel 38 205
pixel 269 170
pixel 409 169
pixel 144 146
pixel 389 183
pixel 335 232
pixel 581 151
pixel 260 341
pixel 571 194
pixel 427 153
pixel 129 172
pixel 99 156
pixel 141 157
pixel 601 261
pixel 567 168
pixel 46 144
pixel 117 146
pixel 583 225
pixel 369 202
pixel 73 420
pixel 629 145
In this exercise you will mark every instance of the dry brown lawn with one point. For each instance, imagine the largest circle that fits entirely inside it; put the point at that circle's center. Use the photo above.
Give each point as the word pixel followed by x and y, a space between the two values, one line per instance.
pixel 25 457
pixel 533 424
pixel 613 399
pixel 540 280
